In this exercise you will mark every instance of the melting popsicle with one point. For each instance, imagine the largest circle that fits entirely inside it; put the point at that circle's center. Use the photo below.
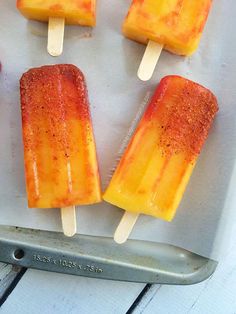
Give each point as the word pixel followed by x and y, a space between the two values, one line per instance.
pixel 154 171
pixel 57 13
pixel 175 25
pixel 59 149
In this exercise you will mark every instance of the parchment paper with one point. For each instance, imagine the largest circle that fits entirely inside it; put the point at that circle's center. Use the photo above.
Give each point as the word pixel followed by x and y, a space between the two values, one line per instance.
pixel 206 219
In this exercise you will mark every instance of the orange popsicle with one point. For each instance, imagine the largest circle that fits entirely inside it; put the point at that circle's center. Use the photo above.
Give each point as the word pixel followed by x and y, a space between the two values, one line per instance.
pixel 82 12
pixel 175 24
pixel 60 157
pixel 57 13
pixel 154 171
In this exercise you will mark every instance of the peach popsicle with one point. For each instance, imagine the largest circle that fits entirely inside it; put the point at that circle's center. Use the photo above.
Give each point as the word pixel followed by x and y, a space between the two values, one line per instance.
pixel 175 25
pixel 59 149
pixel 57 13
pixel 154 171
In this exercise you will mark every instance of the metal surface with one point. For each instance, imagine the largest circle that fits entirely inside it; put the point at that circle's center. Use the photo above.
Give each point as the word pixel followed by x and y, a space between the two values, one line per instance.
pixel 99 257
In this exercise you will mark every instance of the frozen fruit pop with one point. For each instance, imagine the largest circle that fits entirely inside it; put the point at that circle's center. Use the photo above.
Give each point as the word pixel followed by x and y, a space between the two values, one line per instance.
pixel 81 12
pixel 154 171
pixel 60 157
pixel 59 12
pixel 176 25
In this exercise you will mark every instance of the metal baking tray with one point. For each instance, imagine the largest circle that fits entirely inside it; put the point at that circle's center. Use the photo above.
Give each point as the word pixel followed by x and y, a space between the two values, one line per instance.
pixel 100 257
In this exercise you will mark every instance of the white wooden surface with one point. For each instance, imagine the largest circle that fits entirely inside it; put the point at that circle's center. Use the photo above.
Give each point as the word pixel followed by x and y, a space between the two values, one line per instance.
pixel 40 292
pixel 5 271
pixel 7 275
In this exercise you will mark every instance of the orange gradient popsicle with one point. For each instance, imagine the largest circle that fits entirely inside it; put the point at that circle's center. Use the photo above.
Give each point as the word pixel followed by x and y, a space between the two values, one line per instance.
pixel 82 12
pixel 60 157
pixel 154 171
pixel 175 24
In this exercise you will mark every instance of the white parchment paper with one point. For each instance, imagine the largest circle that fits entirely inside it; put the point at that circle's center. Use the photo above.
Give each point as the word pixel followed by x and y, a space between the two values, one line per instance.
pixel 206 219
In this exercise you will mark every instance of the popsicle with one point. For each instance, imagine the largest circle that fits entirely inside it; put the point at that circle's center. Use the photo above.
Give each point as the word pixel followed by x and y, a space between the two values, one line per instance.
pixel 154 171
pixel 57 13
pixel 175 25
pixel 59 150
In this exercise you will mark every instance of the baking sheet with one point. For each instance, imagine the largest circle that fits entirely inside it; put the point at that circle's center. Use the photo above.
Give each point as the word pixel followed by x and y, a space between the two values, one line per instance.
pixel 206 219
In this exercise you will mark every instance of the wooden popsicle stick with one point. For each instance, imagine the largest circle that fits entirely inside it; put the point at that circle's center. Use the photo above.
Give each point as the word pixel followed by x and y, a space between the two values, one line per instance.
pixel 56 27
pixel 68 218
pixel 125 227
pixel 149 61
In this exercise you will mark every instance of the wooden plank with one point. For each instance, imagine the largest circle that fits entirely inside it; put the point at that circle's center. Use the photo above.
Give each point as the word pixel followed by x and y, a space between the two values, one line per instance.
pixel 43 292
pixel 5 280
pixel 214 296
pixel 8 274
